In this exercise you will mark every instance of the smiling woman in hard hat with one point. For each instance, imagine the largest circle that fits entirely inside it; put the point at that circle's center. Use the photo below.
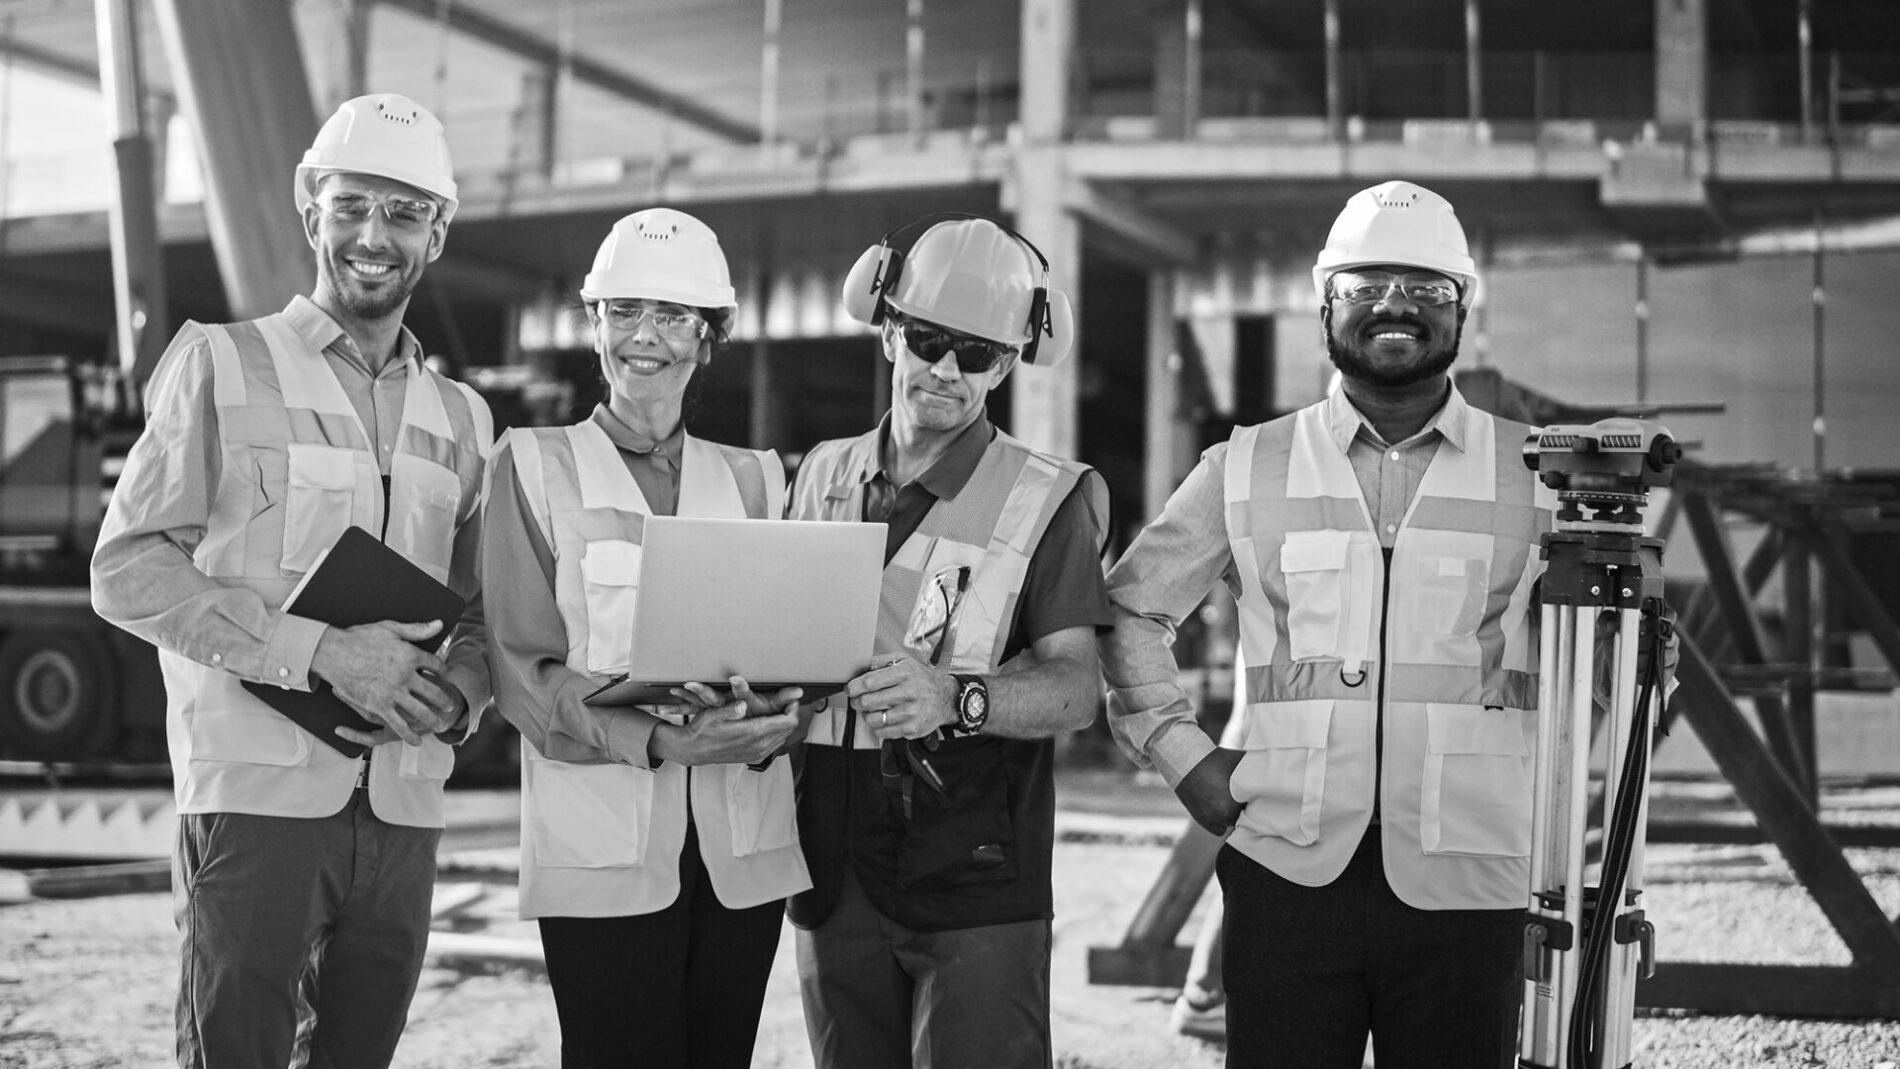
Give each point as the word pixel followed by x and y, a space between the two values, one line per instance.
pixel 655 858
pixel 1382 546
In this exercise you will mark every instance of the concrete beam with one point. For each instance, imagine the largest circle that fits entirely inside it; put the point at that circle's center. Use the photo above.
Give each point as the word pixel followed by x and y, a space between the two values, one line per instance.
pixel 1127 220
pixel 55 307
pixel 463 18
pixel 71 69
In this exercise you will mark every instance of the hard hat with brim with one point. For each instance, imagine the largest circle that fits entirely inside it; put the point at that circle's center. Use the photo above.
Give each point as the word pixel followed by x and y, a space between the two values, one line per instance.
pixel 386 135
pixel 1402 225
pixel 661 254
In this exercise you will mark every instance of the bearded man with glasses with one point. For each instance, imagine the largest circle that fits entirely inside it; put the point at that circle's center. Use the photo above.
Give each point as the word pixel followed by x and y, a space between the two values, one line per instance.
pixel 304 865
pixel 1382 544
pixel 926 798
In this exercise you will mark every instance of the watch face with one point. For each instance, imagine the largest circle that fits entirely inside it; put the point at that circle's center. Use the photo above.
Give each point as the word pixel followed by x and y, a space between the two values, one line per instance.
pixel 975 706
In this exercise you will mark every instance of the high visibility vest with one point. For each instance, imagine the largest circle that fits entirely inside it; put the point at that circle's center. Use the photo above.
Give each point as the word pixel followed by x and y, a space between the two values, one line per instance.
pixel 604 839
pixel 1421 675
pixel 980 855
pixel 296 471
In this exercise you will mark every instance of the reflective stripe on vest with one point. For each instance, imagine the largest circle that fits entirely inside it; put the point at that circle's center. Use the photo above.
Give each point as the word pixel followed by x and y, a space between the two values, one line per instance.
pixel 295 472
pixel 981 542
pixel 601 840
pixel 1451 648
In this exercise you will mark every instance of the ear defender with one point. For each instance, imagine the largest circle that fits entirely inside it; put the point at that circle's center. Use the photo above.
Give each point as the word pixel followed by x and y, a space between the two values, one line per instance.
pixel 1054 336
pixel 868 280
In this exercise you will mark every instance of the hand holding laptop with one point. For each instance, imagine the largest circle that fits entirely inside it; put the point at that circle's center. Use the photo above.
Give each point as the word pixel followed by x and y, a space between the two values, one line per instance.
pixel 749 727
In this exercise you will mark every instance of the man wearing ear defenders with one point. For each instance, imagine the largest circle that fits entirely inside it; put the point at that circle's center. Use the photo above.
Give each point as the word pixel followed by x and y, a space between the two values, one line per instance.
pixel 926 801
pixel 1382 545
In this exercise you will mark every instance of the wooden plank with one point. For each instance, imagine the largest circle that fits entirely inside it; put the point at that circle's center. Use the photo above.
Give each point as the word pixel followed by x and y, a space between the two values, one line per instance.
pixel 1839 561
pixel 1735 833
pixel 92 881
pixel 1782 812
pixel 1139 966
pixel 1782 990
pixel 1147 952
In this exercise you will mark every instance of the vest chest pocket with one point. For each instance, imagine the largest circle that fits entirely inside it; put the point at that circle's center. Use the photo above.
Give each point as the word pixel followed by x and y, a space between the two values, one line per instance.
pixel 1282 779
pixel 1445 581
pixel 321 487
pixel 610 577
pixel 426 531
pixel 1313 565
pixel 1476 799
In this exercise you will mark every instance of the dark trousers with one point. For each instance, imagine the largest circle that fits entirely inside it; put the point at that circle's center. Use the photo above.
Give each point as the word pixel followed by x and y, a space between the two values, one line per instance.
pixel 298 935
pixel 879 995
pixel 1309 970
pixel 678 989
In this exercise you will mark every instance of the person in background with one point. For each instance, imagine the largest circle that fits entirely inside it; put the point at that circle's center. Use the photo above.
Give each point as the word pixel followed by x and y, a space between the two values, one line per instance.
pixel 927 799
pixel 302 877
pixel 656 860
pixel 1382 545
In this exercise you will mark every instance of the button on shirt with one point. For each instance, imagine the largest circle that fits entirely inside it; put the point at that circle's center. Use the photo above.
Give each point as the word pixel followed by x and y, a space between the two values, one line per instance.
pixel 1181 555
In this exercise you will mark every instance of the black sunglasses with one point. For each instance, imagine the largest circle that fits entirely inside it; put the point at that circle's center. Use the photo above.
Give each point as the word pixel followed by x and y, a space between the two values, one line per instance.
pixel 930 342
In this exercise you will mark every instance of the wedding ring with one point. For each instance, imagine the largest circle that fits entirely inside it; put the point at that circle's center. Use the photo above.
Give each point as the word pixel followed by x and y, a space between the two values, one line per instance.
pixel 883 719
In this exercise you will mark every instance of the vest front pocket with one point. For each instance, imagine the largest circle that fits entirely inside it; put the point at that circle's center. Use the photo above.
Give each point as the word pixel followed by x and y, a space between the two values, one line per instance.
pixel 760 808
pixel 964 835
pixel 247 736
pixel 1476 799
pixel 1313 564
pixel 433 760
pixel 1281 781
pixel 610 577
pixel 321 487
pixel 425 532
pixel 588 816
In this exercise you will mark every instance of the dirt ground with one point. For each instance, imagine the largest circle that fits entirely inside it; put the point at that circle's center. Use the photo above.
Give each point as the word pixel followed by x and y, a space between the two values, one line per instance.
pixel 89 982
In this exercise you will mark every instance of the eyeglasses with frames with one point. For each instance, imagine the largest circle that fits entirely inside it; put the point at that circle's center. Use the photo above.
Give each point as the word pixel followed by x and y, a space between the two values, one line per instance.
pixel 401 210
pixel 930 342
pixel 669 323
pixel 1371 287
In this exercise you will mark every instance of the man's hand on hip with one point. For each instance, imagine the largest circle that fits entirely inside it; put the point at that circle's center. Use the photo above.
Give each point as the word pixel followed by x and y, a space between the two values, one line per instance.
pixel 1207 791
pixel 374 668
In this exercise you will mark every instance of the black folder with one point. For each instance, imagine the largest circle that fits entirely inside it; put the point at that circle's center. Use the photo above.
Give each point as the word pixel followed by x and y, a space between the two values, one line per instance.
pixel 359 580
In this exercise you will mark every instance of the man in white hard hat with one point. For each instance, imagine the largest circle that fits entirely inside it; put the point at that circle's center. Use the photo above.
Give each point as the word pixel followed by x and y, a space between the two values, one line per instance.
pixel 1382 545
pixel 926 800
pixel 302 875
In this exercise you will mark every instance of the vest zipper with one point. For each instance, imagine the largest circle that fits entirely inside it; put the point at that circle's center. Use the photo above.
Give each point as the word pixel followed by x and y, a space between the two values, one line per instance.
pixel 1378 709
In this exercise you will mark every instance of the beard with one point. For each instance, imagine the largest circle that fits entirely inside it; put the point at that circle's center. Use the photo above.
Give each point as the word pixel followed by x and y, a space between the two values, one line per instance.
pixel 363 302
pixel 1353 365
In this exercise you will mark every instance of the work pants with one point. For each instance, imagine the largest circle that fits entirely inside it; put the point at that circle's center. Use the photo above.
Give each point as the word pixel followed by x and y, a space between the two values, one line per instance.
pixel 679 988
pixel 1309 970
pixel 879 995
pixel 299 934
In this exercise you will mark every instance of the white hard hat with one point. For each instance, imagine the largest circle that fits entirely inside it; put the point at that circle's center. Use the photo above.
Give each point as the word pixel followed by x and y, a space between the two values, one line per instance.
pixel 971 275
pixel 1403 224
pixel 384 134
pixel 662 255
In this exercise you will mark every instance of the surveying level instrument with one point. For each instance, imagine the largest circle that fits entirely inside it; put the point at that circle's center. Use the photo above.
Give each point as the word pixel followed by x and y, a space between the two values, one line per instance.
pixel 1584 946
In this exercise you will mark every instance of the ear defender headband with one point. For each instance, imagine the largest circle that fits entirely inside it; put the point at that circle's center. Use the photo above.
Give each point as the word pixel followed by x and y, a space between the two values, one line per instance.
pixel 881 266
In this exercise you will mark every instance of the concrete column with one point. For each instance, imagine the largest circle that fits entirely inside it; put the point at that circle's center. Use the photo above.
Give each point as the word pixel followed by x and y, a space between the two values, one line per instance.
pixel 1168 446
pixel 1044 398
pixel 240 76
pixel 1682 62
pixel 1177 77
pixel 336 44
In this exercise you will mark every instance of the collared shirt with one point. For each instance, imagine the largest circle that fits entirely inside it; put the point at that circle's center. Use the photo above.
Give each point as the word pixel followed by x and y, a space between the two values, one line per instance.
pixel 144 578
pixel 1063 587
pixel 1179 557
pixel 534 688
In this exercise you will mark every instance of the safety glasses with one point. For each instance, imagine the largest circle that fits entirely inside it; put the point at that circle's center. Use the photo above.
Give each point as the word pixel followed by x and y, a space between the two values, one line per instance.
pixel 402 211
pixel 668 322
pixel 930 342
pixel 1371 287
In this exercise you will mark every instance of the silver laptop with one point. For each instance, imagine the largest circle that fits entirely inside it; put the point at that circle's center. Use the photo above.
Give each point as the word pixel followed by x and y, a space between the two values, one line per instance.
pixel 782 603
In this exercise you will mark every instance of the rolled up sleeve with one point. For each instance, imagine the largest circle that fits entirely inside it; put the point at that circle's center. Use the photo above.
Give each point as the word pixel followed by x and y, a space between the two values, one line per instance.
pixel 1161 579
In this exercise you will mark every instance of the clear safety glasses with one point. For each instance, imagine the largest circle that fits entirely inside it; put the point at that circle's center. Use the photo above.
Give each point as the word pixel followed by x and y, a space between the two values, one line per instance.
pixel 1371 287
pixel 668 322
pixel 405 212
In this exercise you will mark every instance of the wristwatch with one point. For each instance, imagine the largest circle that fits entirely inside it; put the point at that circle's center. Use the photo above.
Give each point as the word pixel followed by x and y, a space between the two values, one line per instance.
pixel 973 703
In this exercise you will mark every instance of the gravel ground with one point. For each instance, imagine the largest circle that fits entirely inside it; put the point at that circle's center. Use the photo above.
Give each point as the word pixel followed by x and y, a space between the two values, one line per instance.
pixel 88 983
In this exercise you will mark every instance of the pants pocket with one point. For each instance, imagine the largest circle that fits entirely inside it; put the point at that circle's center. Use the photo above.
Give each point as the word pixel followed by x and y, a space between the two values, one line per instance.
pixel 1476 794
pixel 1281 781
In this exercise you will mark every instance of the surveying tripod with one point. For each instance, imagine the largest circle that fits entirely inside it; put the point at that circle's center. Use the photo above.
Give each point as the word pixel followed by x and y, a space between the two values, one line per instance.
pixel 1584 946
